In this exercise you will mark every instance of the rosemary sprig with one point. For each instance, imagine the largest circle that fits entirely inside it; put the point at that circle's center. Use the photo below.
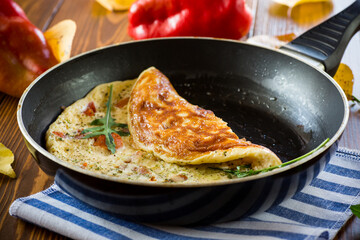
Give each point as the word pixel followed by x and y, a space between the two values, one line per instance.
pixel 244 171
pixel 106 127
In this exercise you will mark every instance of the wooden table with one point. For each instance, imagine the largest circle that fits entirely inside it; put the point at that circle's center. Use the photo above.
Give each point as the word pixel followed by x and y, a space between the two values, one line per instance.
pixel 97 27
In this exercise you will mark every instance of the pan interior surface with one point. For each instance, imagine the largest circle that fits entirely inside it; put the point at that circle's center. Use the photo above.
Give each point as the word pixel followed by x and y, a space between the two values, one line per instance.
pixel 269 98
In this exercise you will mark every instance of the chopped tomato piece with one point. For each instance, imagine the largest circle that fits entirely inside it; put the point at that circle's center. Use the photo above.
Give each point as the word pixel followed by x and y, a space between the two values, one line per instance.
pixel 101 141
pixel 179 178
pixel 59 134
pixel 90 109
pixel 122 102
pixel 117 140
pixel 144 170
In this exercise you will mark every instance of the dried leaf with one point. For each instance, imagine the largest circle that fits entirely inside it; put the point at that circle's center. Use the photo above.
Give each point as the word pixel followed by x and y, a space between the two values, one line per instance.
pixel 6 158
pixel 116 5
pixel 345 78
pixel 60 38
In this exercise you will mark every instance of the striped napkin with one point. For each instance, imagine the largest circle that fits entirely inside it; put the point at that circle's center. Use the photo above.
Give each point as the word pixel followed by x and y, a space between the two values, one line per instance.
pixel 317 212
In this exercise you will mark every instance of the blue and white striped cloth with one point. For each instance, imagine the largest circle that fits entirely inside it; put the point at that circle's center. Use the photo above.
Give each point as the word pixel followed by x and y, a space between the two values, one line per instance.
pixel 317 212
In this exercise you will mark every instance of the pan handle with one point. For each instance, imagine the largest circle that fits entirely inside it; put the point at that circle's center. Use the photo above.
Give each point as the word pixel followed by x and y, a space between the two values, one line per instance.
pixel 326 42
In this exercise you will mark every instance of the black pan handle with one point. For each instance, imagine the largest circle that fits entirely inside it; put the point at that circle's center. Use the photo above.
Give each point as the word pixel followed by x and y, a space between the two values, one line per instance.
pixel 326 42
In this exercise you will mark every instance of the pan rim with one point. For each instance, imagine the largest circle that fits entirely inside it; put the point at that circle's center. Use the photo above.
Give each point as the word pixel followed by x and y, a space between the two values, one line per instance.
pixel 72 167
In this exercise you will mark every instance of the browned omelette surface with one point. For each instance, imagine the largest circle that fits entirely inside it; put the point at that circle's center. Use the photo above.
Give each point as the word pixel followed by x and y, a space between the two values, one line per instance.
pixel 164 123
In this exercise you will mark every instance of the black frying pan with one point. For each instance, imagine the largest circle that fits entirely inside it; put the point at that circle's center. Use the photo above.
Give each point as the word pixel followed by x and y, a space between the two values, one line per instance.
pixel 266 96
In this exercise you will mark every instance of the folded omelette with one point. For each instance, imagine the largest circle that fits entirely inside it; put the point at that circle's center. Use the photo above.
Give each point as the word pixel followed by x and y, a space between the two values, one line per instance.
pixel 176 131
pixel 169 140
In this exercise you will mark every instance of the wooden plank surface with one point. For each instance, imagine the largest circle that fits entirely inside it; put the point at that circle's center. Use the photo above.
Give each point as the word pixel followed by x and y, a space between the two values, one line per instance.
pixel 97 27
pixel 40 13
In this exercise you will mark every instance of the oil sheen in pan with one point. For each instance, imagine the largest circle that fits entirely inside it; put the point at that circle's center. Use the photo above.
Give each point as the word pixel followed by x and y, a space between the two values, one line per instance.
pixel 245 112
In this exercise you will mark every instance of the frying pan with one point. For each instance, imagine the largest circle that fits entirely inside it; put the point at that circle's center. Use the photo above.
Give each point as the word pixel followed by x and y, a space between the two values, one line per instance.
pixel 270 97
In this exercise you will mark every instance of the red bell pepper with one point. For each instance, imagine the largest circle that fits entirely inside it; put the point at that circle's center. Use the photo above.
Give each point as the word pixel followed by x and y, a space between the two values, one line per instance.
pixel 207 18
pixel 24 52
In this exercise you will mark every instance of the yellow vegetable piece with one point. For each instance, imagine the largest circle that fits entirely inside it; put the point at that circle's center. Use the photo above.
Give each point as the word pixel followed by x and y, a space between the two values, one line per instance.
pixel 345 78
pixel 116 5
pixel 6 158
pixel 60 38
pixel 286 37
pixel 293 3
pixel 304 12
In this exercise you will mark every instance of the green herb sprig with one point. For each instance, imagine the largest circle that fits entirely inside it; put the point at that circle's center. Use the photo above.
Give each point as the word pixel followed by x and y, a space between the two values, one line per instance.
pixel 244 171
pixel 106 127
pixel 356 210
pixel 355 99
